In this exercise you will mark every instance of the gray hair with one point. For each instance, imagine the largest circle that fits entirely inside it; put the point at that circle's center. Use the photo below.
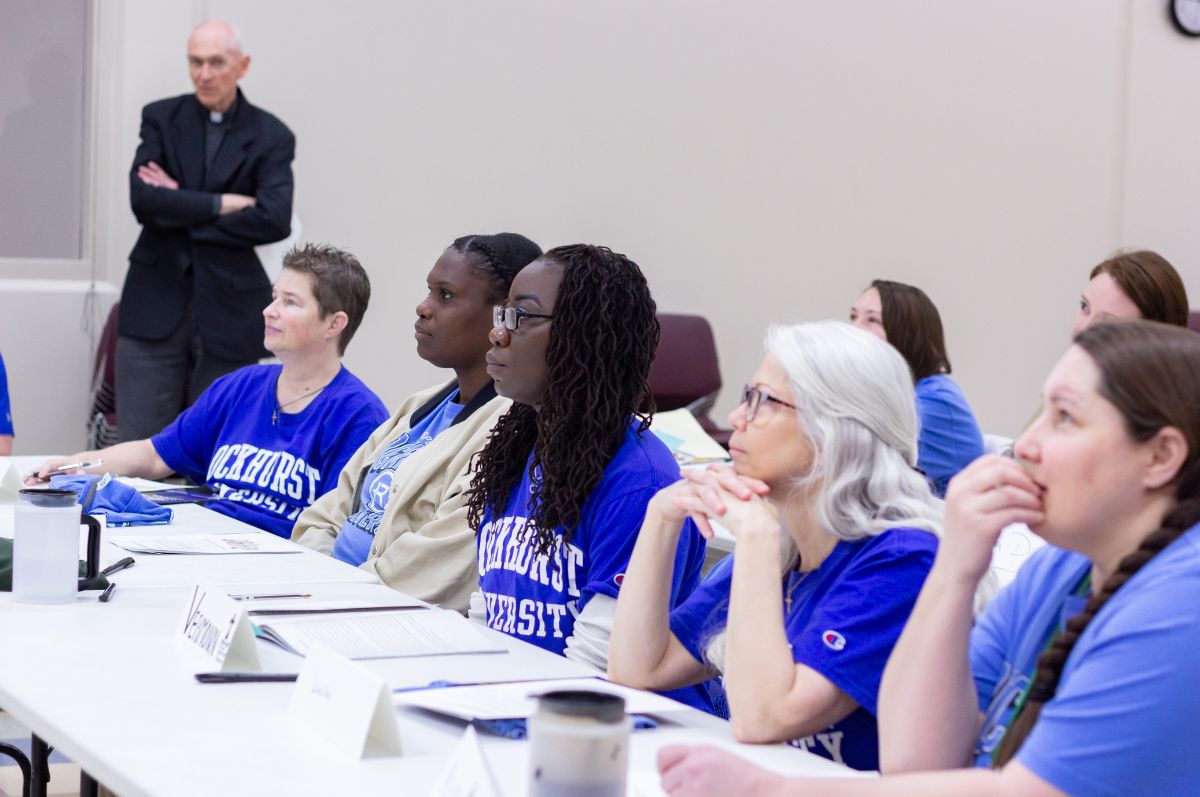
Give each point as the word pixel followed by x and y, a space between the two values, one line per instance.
pixel 855 404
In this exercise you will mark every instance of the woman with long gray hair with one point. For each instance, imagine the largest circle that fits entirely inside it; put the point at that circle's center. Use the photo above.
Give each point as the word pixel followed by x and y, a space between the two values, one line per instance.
pixel 836 531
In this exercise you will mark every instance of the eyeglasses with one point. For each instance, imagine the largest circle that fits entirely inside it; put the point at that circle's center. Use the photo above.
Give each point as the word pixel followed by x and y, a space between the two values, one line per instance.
pixel 753 398
pixel 510 317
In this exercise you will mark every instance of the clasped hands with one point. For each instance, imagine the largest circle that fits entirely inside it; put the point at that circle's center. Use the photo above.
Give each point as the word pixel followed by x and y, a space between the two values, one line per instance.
pixel 718 493
pixel 156 176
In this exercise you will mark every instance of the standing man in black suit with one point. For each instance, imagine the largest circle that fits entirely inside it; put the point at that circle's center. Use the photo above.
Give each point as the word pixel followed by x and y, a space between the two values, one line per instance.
pixel 212 179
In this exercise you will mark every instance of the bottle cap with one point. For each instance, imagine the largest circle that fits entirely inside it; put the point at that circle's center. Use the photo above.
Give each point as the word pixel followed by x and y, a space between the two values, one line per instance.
pixel 600 706
pixel 52 499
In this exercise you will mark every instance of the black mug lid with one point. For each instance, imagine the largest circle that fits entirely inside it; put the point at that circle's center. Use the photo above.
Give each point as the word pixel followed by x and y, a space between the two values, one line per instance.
pixel 600 706
pixel 49 497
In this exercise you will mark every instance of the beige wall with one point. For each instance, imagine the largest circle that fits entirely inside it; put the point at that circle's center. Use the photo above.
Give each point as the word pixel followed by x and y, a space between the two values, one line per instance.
pixel 761 160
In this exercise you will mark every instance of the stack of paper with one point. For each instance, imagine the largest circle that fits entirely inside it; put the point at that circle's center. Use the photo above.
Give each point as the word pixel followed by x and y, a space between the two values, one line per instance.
pixel 386 634
pixel 686 438
pixel 248 542
pixel 518 700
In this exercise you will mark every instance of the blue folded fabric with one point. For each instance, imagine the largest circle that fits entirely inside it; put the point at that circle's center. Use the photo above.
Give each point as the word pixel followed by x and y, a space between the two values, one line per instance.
pixel 120 503
pixel 516 728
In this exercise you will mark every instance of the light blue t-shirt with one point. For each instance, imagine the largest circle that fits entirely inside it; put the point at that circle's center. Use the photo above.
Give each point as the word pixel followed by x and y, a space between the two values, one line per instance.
pixel 950 439
pixel 1124 715
pixel 353 543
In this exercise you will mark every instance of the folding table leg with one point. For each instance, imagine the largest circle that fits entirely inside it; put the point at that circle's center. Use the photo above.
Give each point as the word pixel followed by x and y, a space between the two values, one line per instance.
pixel 16 755
pixel 39 764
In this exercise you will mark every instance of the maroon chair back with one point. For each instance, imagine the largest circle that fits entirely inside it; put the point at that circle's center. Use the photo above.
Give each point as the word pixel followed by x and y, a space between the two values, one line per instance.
pixel 102 421
pixel 685 372
pixel 1194 321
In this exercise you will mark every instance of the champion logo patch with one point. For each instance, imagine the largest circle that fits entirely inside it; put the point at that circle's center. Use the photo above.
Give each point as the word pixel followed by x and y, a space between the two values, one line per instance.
pixel 618 578
pixel 833 640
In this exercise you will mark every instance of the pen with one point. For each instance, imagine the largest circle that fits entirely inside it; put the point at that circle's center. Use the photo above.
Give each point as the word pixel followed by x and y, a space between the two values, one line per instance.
pixel 61 469
pixel 106 596
pixel 118 566
pixel 342 610
pixel 243 677
pixel 266 596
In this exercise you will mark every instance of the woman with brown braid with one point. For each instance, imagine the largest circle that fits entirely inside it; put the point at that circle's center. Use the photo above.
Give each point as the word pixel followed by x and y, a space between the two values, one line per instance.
pixel 1078 679
pixel 560 489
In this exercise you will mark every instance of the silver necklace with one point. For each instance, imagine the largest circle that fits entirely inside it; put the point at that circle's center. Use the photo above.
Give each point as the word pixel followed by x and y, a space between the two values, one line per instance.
pixel 279 407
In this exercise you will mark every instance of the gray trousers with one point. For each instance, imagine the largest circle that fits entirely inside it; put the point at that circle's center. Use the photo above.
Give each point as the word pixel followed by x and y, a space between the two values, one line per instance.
pixel 157 380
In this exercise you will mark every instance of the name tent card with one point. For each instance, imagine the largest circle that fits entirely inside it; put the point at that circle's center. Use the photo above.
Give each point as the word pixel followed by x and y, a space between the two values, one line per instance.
pixel 217 627
pixel 467 774
pixel 347 705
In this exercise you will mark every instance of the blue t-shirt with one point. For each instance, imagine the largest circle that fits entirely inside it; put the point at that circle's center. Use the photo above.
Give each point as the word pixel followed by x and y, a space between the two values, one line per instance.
pixel 353 543
pixel 6 426
pixel 842 620
pixel 1127 703
pixel 950 439
pixel 538 600
pixel 266 473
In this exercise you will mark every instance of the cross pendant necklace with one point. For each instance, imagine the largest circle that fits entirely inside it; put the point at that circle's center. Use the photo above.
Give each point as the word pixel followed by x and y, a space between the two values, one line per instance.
pixel 798 579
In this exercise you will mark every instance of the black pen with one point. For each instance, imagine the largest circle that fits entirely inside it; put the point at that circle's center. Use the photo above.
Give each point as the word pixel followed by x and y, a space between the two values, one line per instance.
pixel 117 567
pixel 106 596
pixel 243 677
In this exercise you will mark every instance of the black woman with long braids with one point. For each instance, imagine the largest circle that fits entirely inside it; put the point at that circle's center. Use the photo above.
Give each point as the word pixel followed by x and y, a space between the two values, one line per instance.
pixel 1079 679
pixel 560 490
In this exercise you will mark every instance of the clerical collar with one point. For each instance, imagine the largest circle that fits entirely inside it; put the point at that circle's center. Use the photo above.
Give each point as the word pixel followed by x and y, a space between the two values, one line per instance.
pixel 217 117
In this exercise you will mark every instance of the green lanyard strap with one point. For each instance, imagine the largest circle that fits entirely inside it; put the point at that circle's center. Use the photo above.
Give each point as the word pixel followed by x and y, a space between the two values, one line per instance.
pixel 1080 590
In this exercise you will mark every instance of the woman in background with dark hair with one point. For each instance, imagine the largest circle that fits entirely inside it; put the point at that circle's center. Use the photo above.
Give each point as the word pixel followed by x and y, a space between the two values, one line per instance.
pixel 560 490
pixel 1130 285
pixel 399 509
pixel 1079 678
pixel 905 317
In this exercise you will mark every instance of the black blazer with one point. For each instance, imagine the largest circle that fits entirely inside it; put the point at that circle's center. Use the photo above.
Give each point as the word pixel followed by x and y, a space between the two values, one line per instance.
pixel 181 227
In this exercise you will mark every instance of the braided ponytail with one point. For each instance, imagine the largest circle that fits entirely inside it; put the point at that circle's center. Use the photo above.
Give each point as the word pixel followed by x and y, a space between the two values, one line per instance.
pixel 1149 372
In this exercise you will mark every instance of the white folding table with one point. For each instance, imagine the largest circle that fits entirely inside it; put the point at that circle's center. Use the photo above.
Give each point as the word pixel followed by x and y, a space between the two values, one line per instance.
pixel 109 686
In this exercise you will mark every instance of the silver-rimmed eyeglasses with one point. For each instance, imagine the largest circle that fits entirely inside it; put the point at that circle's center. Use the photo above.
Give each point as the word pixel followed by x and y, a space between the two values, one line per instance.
pixel 753 398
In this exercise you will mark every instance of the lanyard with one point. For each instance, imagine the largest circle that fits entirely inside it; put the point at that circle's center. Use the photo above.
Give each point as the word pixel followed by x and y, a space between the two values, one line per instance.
pixel 1080 590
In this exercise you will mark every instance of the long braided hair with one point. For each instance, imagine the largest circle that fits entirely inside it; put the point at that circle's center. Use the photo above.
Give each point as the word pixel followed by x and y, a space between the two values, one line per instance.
pixel 1151 373
pixel 602 341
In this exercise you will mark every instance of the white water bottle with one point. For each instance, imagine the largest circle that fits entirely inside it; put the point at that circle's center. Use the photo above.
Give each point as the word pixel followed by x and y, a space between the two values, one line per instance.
pixel 579 745
pixel 46 547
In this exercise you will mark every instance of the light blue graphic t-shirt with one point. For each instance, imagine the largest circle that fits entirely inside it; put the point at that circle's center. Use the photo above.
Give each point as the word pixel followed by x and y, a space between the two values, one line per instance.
pixel 1128 697
pixel 353 543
